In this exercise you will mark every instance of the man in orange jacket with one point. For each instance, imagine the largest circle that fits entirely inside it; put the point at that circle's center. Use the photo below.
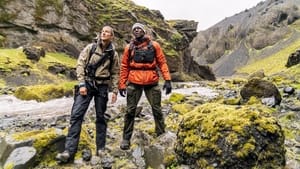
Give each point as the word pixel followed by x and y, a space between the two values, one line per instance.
pixel 139 72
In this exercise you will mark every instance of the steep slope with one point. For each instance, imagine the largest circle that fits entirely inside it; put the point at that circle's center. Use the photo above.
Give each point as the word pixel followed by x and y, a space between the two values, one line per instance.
pixel 248 36
pixel 68 25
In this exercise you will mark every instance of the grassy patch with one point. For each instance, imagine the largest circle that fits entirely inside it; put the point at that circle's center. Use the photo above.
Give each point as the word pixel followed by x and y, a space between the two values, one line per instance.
pixel 11 59
pixel 272 64
pixel 13 62
pixel 61 58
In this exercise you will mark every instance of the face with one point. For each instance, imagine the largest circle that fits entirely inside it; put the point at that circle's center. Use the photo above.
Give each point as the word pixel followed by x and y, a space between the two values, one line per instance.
pixel 106 33
pixel 138 32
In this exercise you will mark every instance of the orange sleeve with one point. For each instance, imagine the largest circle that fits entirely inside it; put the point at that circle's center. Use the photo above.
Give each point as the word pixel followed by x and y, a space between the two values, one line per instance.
pixel 124 70
pixel 162 61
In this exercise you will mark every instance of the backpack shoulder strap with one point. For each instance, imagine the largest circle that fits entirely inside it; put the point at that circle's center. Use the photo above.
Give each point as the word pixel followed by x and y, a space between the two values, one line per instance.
pixel 92 51
pixel 111 58
pixel 131 47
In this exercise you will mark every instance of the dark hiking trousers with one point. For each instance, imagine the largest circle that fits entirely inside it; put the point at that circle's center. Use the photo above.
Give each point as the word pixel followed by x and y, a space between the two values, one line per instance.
pixel 80 106
pixel 153 95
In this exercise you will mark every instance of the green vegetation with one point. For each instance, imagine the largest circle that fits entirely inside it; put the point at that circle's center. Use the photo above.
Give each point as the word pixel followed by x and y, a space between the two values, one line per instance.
pixel 9 166
pixel 44 85
pixel 44 92
pixel 10 59
pixel 43 142
pixel 176 98
pixel 61 58
pixel 41 7
pixel 268 64
pixel 204 129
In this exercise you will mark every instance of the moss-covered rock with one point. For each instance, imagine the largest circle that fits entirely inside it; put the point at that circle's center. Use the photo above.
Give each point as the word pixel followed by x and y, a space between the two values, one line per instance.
pixel 261 89
pixel 43 92
pixel 223 136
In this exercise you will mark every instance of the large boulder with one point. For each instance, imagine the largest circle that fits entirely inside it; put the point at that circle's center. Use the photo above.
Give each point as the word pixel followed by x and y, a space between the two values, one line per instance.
pixel 260 88
pixel 222 136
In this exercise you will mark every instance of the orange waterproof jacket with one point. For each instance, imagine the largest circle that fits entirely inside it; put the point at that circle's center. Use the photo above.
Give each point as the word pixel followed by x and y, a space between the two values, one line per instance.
pixel 143 73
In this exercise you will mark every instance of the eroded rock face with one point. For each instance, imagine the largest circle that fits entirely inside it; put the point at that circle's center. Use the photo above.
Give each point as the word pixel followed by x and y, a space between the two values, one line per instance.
pixel 68 26
pixel 219 136
pixel 228 45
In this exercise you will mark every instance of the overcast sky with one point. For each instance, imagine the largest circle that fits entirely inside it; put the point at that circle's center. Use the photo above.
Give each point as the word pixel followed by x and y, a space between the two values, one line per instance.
pixel 205 12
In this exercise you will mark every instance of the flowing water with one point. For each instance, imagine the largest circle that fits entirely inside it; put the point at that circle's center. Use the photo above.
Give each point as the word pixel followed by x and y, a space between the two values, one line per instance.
pixel 12 109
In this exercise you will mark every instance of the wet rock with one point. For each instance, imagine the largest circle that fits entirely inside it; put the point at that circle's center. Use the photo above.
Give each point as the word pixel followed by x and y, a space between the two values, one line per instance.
pixel 292 164
pixel 20 158
pixel 8 144
pixel 86 154
pixel 270 101
pixel 289 90
pixel 138 154
pixel 161 149
pixel 107 162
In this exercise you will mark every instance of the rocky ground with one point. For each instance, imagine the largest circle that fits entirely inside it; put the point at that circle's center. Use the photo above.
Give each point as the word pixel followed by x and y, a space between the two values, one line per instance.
pixel 19 116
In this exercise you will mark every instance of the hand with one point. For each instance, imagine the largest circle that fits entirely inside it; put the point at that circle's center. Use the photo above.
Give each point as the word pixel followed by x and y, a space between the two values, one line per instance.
pixel 114 98
pixel 83 91
pixel 167 86
pixel 122 92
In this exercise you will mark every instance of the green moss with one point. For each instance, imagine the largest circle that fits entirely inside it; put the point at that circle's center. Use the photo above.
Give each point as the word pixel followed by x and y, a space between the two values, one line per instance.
pixel 176 39
pixel 14 61
pixel 44 92
pixel 182 108
pixel 4 16
pixel 288 117
pixel 295 25
pixel 11 59
pixel 3 3
pixel 253 100
pixel 42 140
pixel 206 122
pixel 176 98
pixel 2 83
pixel 61 58
pixel 41 7
pixel 288 120
pixel 170 160
pixel 2 40
pixel 232 101
pixel 246 149
pixel 9 166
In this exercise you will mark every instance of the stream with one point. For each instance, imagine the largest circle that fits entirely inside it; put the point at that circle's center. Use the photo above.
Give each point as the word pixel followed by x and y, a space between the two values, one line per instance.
pixel 13 109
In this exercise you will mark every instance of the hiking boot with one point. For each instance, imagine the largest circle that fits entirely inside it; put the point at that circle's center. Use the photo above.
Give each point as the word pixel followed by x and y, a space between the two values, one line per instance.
pixel 125 145
pixel 63 157
pixel 100 153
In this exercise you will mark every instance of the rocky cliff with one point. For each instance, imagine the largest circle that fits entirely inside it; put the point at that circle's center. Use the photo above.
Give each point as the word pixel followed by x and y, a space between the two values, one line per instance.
pixel 68 25
pixel 248 36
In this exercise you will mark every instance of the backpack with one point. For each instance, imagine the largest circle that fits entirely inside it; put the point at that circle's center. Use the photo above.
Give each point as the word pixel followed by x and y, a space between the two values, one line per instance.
pixel 142 56
pixel 90 69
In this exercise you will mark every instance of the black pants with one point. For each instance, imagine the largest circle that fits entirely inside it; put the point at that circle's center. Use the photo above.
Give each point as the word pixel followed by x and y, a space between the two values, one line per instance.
pixel 79 108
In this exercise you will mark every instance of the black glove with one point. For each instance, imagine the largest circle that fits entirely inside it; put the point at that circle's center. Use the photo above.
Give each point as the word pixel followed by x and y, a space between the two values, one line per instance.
pixel 122 92
pixel 167 86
